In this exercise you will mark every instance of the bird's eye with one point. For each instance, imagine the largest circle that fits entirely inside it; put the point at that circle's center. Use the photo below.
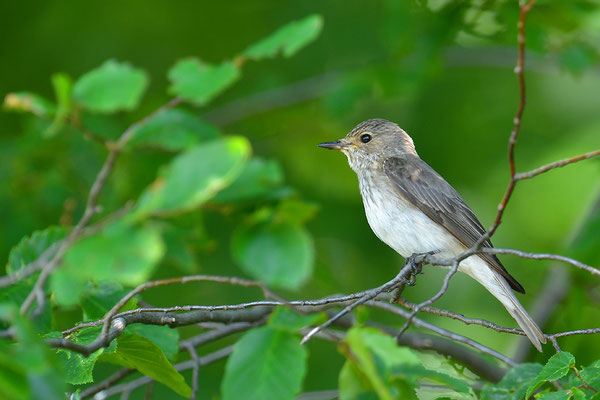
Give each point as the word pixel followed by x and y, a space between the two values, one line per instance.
pixel 366 138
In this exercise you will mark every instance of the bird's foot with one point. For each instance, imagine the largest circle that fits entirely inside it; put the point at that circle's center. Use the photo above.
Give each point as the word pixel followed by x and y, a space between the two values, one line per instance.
pixel 416 260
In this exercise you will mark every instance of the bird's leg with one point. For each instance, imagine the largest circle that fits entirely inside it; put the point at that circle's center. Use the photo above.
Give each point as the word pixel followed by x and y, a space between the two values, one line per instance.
pixel 416 261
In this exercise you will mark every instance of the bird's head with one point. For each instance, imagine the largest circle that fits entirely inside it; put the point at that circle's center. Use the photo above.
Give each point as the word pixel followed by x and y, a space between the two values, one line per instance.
pixel 372 141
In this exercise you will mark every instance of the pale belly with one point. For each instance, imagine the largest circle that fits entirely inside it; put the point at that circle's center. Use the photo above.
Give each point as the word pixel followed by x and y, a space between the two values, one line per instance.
pixel 405 228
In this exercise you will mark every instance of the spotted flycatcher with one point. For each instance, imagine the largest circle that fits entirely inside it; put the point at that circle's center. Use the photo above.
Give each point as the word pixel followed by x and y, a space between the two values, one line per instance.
pixel 412 209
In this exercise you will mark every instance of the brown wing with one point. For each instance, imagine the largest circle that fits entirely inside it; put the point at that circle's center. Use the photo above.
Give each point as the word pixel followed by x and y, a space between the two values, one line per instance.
pixel 427 190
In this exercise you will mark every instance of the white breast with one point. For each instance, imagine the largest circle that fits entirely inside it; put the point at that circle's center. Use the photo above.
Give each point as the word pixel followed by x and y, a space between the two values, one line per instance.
pixel 401 225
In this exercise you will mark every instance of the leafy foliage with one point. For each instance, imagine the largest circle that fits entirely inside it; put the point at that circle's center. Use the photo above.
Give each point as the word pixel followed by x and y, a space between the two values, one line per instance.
pixel 193 177
pixel 173 130
pixel 100 268
pixel 200 82
pixel 528 379
pixel 287 40
pixel 134 254
pixel 111 87
pixel 266 363
pixel 277 253
pixel 195 187
pixel 78 368
pixel 377 368
pixel 136 352
pixel 557 366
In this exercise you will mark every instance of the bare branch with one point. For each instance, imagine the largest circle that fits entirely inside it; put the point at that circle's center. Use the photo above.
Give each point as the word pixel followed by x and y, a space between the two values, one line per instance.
pixel 512 141
pixel 578 375
pixel 182 280
pixel 541 256
pixel 557 164
pixel 195 369
pixel 591 331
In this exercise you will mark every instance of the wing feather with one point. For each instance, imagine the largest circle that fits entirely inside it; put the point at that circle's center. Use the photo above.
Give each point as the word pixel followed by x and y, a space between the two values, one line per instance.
pixel 416 181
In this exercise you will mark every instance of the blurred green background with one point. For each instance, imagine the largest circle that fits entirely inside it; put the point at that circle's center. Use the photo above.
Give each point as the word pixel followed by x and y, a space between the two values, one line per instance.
pixel 443 70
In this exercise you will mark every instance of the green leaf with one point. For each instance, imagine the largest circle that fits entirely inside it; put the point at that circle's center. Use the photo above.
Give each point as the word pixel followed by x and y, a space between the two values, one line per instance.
pixel 63 87
pixel 31 247
pixel 591 374
pixel 265 364
pixel 577 57
pixel 31 359
pixel 173 130
pixel 29 102
pixel 514 384
pixel 354 386
pixel 418 373
pixel 373 354
pixel 364 341
pixel 557 366
pixel 277 253
pixel 288 320
pixel 13 379
pixel 296 211
pixel 194 177
pixel 123 253
pixel 135 351
pixel 560 395
pixel 79 368
pixel 167 339
pixel 111 87
pixel 578 394
pixel 260 179
pixel 98 301
pixel 288 39
pixel 199 82
pixel 181 243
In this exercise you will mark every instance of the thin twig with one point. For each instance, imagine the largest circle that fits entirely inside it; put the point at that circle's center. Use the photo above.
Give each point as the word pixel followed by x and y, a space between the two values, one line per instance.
pixel 195 370
pixel 591 331
pixel 541 256
pixel 557 164
pixel 523 10
pixel 578 375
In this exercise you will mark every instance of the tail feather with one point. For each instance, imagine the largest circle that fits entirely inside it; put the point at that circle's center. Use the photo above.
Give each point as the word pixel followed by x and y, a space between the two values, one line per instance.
pixel 516 310
pixel 500 288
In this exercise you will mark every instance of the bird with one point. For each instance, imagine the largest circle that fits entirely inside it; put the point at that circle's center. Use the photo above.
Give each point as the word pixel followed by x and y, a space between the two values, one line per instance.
pixel 412 209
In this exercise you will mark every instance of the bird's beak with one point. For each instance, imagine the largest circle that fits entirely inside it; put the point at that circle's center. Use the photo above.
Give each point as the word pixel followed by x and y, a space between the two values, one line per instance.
pixel 337 145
